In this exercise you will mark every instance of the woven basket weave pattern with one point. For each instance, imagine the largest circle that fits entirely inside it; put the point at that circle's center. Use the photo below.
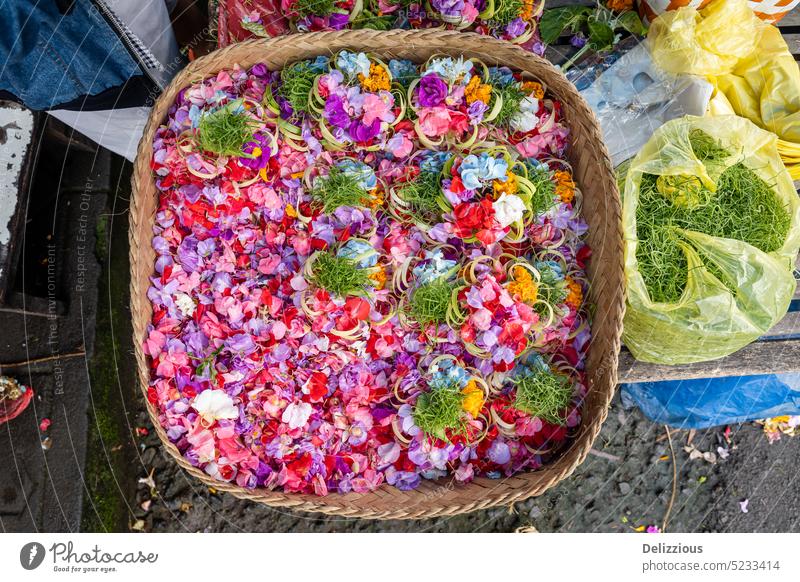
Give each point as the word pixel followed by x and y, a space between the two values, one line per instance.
pixel 601 209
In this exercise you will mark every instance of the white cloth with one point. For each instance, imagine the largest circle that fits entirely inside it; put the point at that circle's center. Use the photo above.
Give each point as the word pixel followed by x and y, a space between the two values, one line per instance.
pixel 149 20
pixel 119 130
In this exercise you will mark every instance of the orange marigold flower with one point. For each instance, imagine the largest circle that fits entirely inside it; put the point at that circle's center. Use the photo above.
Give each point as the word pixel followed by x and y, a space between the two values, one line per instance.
pixel 565 186
pixel 378 79
pixel 523 285
pixel 507 187
pixel 563 177
pixel 290 211
pixel 565 193
pixel 375 198
pixel 473 398
pixel 477 91
pixel 574 293
pixel 527 10
pixel 533 88
pixel 379 277
pixel 620 5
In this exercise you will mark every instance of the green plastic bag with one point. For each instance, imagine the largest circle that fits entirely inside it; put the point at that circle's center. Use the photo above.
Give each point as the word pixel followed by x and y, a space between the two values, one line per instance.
pixel 709 321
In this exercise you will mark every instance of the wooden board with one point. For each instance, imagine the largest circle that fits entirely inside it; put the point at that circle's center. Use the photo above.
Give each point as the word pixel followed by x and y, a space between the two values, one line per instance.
pixel 790 20
pixel 761 357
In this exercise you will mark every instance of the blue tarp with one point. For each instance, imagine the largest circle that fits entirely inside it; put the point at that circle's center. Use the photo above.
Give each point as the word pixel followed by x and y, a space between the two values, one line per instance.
pixel 715 401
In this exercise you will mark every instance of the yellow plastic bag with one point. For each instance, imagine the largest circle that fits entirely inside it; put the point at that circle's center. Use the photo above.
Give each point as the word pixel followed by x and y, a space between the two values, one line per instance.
pixel 764 87
pixel 704 42
pixel 709 321
pixel 747 60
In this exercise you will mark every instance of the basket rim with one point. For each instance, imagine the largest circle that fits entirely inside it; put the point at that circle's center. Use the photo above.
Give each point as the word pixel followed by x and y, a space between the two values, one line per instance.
pixel 388 502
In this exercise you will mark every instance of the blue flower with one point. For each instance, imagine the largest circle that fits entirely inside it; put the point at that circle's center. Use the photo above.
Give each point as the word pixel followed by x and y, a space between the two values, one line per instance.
pixel 434 266
pixel 536 165
pixel 433 162
pixel 447 373
pixel 478 170
pixel 500 76
pixel 403 71
pixel 320 64
pixel 360 251
pixel 451 70
pixel 363 174
pixel 550 270
pixel 534 362
pixel 195 114
pixel 351 64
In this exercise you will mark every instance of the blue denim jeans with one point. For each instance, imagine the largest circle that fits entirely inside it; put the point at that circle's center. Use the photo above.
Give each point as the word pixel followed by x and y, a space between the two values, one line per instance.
pixel 48 58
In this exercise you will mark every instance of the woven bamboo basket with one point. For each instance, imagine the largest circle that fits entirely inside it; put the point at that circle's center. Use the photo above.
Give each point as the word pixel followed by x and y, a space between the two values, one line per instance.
pixel 601 208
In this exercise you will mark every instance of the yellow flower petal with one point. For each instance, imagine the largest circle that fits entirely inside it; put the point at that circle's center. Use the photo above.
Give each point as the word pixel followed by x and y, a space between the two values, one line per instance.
pixel 473 398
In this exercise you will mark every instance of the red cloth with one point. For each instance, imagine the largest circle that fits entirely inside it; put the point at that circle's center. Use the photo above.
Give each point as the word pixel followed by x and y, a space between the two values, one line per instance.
pixel 231 13
pixel 11 409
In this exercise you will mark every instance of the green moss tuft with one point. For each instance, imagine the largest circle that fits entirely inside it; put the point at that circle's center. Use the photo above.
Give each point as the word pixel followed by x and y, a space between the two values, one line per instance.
pixel 429 302
pixel 225 131
pixel 314 7
pixel 338 189
pixel 297 83
pixel 422 195
pixel 543 394
pixel 338 275
pixel 545 195
pixel 440 411
pixel 505 11
pixel 512 96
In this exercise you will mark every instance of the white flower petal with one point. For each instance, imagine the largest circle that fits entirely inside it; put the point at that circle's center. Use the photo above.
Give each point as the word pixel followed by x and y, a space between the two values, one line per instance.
pixel 508 209
pixel 214 405
pixel 296 414
pixel 185 304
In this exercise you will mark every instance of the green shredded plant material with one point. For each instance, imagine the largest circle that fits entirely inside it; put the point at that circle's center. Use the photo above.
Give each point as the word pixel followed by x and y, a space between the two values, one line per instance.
pixel 440 410
pixel 338 189
pixel 297 82
pixel 744 207
pixel 225 131
pixel 314 7
pixel 505 11
pixel 543 394
pixel 706 148
pixel 368 19
pixel 422 195
pixel 551 290
pixel 430 302
pixel 512 96
pixel 339 275
pixel 545 195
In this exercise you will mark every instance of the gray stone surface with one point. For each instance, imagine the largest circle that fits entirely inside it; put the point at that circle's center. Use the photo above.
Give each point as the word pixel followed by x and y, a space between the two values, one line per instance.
pixel 43 489
pixel 594 499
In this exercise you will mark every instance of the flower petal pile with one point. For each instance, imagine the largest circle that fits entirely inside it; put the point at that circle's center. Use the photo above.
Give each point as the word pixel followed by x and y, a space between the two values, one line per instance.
pixel 512 20
pixel 366 272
